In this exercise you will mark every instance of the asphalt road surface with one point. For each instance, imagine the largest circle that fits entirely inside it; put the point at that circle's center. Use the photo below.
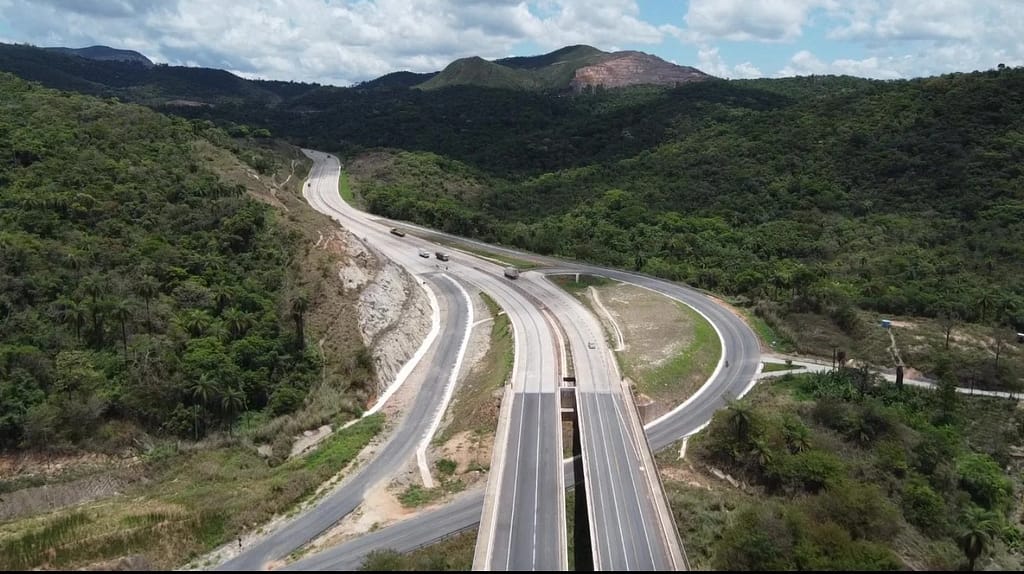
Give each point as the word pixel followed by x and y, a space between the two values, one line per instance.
pixel 528 526
pixel 740 348
pixel 391 456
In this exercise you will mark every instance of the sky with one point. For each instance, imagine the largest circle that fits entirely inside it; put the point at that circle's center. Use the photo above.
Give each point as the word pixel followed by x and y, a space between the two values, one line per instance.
pixel 342 42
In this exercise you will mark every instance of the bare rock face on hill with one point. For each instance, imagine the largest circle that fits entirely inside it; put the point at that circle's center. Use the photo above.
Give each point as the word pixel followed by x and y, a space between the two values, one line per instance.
pixel 634 68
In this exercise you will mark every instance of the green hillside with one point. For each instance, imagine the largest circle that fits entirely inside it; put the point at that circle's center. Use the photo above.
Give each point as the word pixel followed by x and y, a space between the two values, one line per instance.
pixel 480 73
pixel 138 289
pixel 135 82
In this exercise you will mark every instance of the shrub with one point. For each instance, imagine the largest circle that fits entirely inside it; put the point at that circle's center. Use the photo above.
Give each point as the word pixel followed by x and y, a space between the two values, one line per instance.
pixel 810 470
pixel 859 508
pixel 924 508
pixel 982 478
pixel 446 466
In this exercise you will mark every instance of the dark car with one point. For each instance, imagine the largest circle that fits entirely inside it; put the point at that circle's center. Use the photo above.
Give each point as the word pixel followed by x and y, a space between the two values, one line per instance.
pixel 397 231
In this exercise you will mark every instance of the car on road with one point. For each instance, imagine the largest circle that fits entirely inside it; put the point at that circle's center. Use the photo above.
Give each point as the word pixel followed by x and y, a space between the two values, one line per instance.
pixel 424 253
pixel 511 273
pixel 397 231
pixel 441 255
pixel 592 345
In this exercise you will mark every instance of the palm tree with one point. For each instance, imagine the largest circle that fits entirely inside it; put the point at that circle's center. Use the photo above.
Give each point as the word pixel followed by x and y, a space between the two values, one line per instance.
pixel 798 438
pixel 76 313
pixel 985 301
pixel 237 322
pixel 232 400
pixel 762 453
pixel 194 322
pixel 73 259
pixel 979 526
pixel 222 297
pixel 741 418
pixel 148 288
pixel 93 287
pixel 122 311
pixel 300 305
pixel 203 389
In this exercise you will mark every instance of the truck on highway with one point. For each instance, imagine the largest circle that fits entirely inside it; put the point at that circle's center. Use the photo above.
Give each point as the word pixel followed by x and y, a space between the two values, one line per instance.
pixel 441 255
pixel 424 253
pixel 511 273
pixel 397 231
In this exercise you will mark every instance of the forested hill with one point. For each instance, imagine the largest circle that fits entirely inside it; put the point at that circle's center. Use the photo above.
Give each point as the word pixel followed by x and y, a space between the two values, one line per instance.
pixel 825 193
pixel 136 288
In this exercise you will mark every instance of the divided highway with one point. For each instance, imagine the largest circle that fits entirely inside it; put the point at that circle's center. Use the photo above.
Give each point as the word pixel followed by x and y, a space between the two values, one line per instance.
pixel 528 522
pixel 625 542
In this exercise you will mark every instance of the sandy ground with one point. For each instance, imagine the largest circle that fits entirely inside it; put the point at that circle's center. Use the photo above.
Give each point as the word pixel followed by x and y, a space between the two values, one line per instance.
pixel 653 326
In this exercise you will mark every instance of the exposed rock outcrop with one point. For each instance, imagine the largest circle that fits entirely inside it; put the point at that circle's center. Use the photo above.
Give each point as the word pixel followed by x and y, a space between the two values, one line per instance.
pixel 634 68
pixel 394 317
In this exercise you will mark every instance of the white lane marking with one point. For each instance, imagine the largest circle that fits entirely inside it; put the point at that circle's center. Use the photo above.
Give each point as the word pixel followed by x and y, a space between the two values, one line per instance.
pixel 515 485
pixel 536 484
pixel 407 368
pixel 632 441
pixel 421 452
pixel 617 518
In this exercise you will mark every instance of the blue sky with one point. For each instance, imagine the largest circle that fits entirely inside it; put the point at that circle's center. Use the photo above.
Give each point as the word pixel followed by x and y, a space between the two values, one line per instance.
pixel 346 41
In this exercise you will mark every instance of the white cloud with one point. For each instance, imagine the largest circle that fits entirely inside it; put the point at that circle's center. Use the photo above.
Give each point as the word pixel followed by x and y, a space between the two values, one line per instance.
pixel 804 63
pixel 711 62
pixel 746 70
pixel 330 41
pixel 925 37
pixel 740 20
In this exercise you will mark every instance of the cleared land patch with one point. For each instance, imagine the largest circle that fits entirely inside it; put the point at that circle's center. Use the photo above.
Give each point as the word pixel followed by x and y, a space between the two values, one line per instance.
pixel 670 349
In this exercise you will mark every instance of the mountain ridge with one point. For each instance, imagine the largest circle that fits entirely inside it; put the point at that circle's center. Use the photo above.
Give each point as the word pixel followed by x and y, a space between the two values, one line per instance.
pixel 572 68
pixel 104 54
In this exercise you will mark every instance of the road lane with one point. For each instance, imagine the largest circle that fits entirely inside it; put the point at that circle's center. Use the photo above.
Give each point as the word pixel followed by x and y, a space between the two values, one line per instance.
pixel 392 455
pixel 527 534
pixel 739 345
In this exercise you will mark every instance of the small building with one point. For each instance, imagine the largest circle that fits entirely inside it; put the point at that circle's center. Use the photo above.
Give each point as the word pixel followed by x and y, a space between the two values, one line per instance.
pixel 886 323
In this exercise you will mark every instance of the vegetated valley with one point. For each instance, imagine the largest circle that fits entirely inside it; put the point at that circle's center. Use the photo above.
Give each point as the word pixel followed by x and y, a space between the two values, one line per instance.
pixel 817 206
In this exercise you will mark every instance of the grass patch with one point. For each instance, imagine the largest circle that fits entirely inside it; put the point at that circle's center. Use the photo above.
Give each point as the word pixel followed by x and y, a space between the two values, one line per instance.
pixel 776 341
pixel 338 450
pixel 579 288
pixel 192 503
pixel 475 407
pixel 416 495
pixel 775 367
pixel 687 370
pixel 346 190
pixel 454 553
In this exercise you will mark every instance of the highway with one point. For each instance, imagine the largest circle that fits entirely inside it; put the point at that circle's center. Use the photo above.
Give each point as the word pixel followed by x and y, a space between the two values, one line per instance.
pixel 391 456
pixel 520 517
pixel 630 523
pixel 527 526
pixel 740 347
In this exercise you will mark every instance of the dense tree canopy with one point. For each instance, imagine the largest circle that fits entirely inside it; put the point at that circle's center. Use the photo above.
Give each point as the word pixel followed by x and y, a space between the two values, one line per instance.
pixel 134 284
